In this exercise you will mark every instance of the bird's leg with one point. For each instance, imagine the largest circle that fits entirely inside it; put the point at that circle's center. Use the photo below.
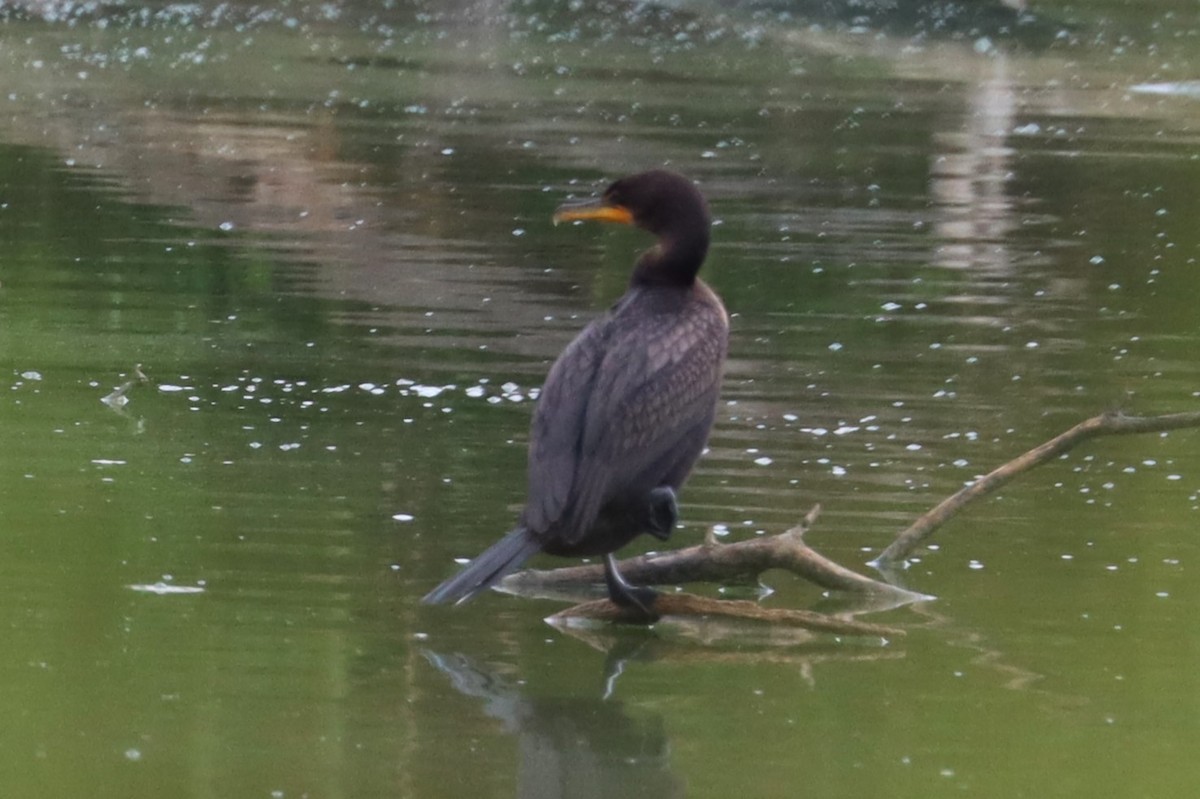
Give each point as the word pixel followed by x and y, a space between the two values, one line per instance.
pixel 664 512
pixel 625 595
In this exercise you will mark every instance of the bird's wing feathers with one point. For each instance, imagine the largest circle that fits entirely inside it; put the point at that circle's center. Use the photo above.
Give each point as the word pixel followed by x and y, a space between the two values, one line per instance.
pixel 622 409
pixel 557 426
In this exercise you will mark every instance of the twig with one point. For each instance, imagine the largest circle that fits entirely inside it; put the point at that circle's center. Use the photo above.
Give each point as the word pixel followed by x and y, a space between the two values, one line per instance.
pixel 1112 423
pixel 119 397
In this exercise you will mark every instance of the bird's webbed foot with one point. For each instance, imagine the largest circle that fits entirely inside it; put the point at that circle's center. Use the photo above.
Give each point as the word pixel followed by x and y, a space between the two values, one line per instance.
pixel 639 598
pixel 663 513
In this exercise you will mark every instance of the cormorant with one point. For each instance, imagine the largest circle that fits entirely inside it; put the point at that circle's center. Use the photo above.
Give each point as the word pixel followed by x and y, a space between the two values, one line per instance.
pixel 626 409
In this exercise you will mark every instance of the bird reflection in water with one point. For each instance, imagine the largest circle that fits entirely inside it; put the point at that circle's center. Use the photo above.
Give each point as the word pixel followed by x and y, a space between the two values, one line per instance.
pixel 576 747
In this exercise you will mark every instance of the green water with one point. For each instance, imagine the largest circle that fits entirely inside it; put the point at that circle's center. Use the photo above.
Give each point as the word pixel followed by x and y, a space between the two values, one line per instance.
pixel 322 234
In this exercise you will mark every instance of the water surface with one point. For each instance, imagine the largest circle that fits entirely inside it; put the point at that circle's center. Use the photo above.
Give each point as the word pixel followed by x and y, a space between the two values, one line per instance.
pixel 322 234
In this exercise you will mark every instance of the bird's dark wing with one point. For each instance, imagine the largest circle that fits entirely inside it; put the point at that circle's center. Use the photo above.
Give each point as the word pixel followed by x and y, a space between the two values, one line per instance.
pixel 557 428
pixel 627 405
pixel 651 406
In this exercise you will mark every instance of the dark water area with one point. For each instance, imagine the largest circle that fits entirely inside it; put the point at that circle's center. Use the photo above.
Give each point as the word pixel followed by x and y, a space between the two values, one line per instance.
pixel 278 286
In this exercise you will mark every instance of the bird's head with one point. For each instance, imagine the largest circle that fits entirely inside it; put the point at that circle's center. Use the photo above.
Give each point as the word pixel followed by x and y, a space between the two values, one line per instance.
pixel 663 203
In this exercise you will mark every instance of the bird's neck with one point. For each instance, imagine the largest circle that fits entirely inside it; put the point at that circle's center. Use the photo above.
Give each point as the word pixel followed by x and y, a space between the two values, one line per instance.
pixel 674 261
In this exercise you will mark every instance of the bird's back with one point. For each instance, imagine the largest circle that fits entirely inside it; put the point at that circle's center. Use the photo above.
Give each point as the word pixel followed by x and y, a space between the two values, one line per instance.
pixel 626 408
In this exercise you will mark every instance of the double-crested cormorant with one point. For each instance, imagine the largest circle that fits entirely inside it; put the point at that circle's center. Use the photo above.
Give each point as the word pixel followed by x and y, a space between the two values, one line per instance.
pixel 626 409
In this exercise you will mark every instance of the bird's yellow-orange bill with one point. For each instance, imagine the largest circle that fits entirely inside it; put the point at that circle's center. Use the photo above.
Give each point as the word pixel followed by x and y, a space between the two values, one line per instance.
pixel 593 210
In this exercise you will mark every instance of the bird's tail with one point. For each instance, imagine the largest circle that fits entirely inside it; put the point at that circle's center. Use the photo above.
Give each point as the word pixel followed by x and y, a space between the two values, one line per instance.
pixel 502 558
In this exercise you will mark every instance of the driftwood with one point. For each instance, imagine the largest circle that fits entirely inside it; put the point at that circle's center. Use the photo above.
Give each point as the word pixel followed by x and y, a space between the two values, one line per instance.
pixel 742 561
pixel 745 560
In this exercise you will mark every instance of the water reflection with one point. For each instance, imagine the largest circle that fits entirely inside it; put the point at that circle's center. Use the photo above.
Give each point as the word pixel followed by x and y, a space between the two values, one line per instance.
pixel 577 747
pixel 696 641
pixel 969 175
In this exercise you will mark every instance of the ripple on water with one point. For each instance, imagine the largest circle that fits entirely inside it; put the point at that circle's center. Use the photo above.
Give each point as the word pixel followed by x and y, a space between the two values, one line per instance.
pixel 164 588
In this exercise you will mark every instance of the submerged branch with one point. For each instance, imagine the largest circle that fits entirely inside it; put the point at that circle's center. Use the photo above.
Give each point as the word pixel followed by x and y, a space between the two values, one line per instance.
pixel 1112 423
pixel 691 605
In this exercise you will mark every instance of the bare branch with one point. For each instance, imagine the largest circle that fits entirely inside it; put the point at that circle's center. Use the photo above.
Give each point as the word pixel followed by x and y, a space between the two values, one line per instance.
pixel 1112 423
pixel 741 561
